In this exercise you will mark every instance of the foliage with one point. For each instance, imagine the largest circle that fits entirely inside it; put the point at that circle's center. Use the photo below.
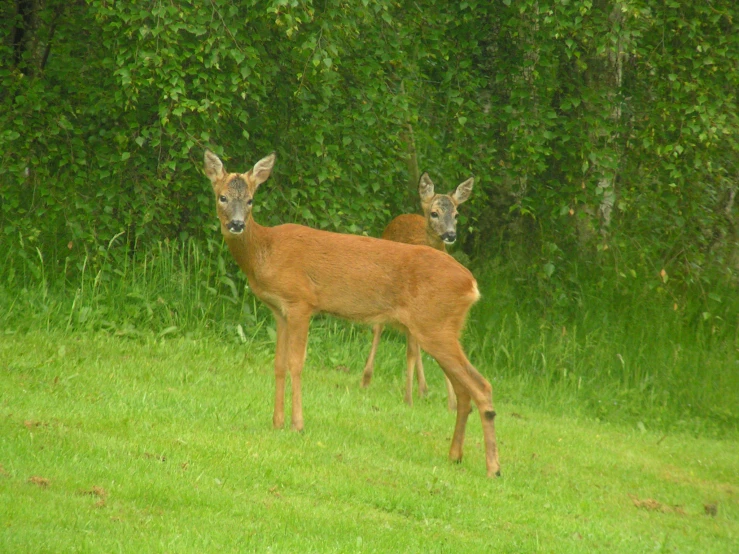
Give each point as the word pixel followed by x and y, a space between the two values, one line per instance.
pixel 122 130
pixel 602 135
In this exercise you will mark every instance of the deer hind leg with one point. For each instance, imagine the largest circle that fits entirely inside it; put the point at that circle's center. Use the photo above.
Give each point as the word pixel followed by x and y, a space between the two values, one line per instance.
pixel 298 323
pixel 423 388
pixel 451 396
pixel 420 376
pixel 488 430
pixel 463 411
pixel 469 384
pixel 411 358
pixel 369 366
pixel 278 418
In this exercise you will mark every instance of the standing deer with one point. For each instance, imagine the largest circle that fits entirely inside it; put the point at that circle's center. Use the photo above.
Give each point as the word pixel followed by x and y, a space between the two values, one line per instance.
pixel 298 271
pixel 437 227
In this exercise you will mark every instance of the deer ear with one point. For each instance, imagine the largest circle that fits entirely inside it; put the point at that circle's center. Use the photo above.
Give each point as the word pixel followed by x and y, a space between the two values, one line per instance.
pixel 213 167
pixel 463 191
pixel 263 169
pixel 425 188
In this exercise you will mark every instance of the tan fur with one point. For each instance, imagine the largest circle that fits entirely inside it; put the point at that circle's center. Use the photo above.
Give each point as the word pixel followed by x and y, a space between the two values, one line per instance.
pixel 440 217
pixel 412 229
pixel 298 271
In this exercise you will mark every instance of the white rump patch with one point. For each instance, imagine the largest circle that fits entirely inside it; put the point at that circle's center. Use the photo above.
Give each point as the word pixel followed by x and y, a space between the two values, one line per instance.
pixel 475 292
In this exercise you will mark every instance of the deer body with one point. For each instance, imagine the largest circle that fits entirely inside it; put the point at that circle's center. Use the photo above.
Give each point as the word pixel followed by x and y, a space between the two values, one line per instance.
pixel 413 229
pixel 343 275
pixel 436 228
pixel 298 271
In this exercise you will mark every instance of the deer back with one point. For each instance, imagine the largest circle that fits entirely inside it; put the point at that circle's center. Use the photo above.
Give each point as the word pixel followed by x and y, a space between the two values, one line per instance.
pixel 359 278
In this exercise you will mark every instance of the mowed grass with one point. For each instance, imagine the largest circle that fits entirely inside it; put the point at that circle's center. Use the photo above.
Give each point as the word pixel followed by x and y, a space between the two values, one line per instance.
pixel 166 445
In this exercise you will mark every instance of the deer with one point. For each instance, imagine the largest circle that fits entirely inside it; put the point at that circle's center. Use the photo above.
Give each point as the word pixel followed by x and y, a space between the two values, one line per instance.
pixel 437 228
pixel 297 271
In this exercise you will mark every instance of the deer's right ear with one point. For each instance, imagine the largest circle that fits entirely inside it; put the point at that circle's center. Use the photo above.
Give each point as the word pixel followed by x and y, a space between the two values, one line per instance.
pixel 425 188
pixel 213 167
pixel 263 169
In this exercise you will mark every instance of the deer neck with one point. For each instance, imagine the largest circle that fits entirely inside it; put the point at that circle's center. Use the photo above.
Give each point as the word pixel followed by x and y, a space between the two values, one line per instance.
pixel 246 246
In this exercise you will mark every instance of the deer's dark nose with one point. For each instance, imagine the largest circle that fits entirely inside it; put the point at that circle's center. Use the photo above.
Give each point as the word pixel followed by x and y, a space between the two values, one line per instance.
pixel 449 237
pixel 235 226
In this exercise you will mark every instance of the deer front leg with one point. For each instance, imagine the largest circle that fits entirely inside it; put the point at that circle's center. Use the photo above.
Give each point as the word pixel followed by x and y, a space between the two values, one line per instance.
pixel 369 367
pixel 278 418
pixel 298 323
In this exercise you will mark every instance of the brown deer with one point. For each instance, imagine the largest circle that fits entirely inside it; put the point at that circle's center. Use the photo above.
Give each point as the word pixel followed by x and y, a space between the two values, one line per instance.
pixel 437 227
pixel 298 271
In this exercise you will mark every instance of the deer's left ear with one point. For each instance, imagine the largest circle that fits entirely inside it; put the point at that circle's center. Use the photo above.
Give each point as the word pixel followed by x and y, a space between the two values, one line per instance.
pixel 263 169
pixel 463 191
pixel 213 167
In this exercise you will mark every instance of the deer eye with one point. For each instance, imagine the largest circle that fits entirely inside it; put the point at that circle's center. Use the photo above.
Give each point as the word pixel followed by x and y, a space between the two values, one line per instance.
pixel 434 215
pixel 249 202
pixel 222 199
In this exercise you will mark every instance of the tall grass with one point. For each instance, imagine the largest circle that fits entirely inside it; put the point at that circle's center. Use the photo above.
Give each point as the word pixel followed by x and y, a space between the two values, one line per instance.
pixel 624 354
pixel 633 354
pixel 173 288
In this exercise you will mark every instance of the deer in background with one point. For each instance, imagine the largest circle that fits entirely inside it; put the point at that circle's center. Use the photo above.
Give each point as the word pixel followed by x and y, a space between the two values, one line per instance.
pixel 298 271
pixel 437 227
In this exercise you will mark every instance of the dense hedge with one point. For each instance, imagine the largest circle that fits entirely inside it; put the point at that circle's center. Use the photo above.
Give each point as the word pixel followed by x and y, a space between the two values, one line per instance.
pixel 598 132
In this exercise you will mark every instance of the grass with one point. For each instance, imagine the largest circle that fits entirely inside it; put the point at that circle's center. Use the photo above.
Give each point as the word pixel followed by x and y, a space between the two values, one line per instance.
pixel 136 411
pixel 111 444
pixel 615 351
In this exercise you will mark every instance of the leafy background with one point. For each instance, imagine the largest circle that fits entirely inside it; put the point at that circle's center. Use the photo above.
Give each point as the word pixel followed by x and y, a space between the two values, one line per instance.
pixel 602 135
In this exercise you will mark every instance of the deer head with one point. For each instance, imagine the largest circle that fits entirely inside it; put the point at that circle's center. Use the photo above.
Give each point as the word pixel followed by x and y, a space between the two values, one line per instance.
pixel 441 209
pixel 235 191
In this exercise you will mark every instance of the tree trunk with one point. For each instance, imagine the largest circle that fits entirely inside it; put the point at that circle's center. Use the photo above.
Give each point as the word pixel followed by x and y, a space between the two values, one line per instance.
pixel 411 159
pixel 610 154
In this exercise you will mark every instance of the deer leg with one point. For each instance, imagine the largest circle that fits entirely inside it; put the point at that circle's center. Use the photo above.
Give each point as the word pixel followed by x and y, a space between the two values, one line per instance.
pixel 468 383
pixel 487 416
pixel 451 396
pixel 411 358
pixel 463 412
pixel 278 418
pixel 298 324
pixel 483 396
pixel 369 367
pixel 420 376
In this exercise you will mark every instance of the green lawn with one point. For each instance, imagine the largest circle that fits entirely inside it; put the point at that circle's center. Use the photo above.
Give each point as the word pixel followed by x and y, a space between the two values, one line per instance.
pixel 110 444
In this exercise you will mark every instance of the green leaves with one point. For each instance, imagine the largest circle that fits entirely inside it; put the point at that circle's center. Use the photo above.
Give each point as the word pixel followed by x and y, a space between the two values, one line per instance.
pixel 610 132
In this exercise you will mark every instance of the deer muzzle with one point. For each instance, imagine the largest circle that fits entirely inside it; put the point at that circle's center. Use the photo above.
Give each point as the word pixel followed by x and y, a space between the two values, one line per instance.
pixel 235 226
pixel 449 237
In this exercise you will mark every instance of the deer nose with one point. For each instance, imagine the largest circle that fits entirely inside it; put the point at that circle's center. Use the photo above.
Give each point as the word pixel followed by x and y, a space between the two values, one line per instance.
pixel 236 226
pixel 449 237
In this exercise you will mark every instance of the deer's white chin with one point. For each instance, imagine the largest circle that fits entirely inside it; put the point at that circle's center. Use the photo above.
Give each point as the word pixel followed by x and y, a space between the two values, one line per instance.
pixel 228 233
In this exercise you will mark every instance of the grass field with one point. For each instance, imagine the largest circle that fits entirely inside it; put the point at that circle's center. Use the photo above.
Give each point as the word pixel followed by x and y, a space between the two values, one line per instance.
pixel 136 396
pixel 164 444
